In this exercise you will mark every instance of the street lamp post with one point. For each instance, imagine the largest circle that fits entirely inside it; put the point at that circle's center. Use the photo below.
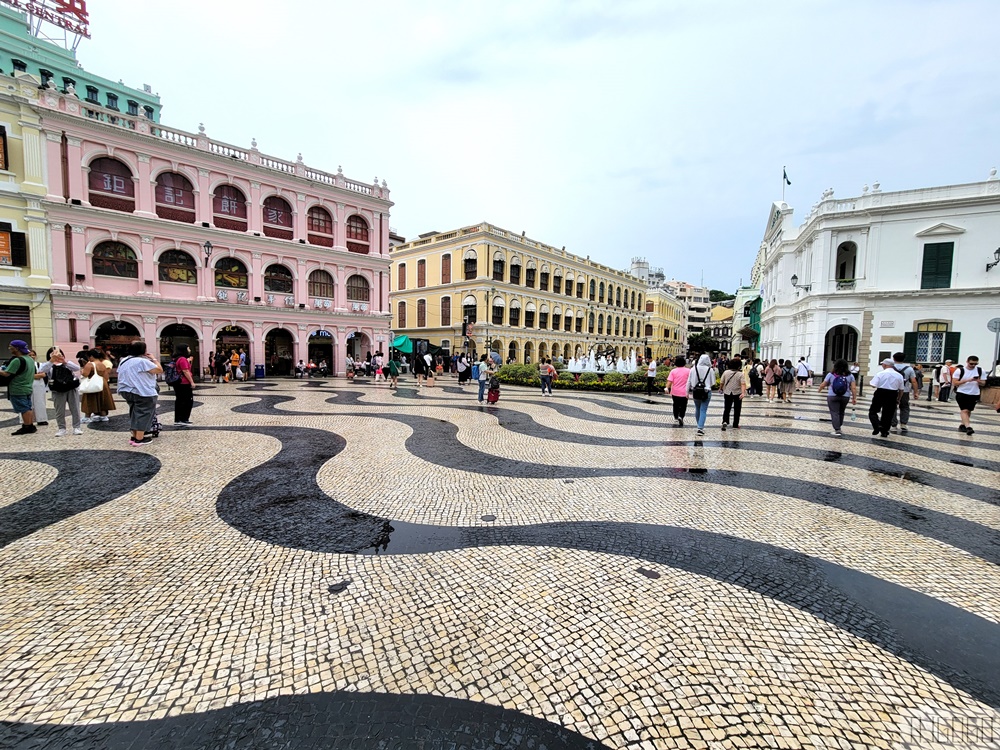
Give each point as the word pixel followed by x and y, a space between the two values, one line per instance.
pixel 489 314
pixel 207 247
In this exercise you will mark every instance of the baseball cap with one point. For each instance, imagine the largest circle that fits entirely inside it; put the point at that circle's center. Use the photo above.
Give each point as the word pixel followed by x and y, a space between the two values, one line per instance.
pixel 21 346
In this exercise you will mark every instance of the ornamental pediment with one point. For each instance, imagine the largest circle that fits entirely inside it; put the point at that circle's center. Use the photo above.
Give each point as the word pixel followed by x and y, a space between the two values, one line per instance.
pixel 940 229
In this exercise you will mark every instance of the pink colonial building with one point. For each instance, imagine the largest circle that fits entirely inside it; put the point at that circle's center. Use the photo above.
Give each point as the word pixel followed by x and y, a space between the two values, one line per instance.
pixel 177 238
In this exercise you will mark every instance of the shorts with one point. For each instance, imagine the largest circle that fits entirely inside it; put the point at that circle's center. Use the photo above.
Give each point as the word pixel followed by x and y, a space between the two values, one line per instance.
pixel 966 401
pixel 21 404
pixel 802 378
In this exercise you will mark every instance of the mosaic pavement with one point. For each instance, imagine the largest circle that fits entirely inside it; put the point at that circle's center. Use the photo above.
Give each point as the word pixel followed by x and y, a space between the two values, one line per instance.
pixel 334 564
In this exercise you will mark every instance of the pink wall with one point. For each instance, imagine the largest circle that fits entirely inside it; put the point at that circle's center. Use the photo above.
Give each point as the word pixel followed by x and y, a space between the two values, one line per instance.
pixel 150 304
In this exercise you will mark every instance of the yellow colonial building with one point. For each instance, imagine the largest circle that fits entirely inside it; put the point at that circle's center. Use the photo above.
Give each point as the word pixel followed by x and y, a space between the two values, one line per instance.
pixel 666 323
pixel 518 297
pixel 25 304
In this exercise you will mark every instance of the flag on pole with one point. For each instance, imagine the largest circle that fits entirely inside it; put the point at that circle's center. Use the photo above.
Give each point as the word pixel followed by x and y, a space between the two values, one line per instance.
pixel 784 173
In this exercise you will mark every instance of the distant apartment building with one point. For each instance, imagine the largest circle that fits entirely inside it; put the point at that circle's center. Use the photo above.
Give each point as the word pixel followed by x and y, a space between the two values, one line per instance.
pixel 696 303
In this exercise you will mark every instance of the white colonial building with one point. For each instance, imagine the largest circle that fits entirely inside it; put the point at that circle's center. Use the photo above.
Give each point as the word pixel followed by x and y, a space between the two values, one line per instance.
pixel 863 277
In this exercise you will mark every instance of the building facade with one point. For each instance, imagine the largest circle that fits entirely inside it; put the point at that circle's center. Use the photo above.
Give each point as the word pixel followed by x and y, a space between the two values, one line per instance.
pixel 665 328
pixel 518 297
pixel 747 299
pixel 867 276
pixel 720 326
pixel 25 304
pixel 174 237
pixel 697 306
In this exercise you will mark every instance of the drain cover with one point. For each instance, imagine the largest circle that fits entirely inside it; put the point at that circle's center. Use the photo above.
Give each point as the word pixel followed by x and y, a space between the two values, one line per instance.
pixel 489 518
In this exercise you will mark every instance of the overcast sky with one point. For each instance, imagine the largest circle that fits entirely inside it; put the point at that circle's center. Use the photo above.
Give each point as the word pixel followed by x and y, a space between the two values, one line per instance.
pixel 616 128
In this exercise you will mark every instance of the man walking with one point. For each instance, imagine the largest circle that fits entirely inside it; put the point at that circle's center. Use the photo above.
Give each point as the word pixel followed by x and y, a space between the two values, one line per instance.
pixel 803 370
pixel 967 381
pixel 887 385
pixel 909 387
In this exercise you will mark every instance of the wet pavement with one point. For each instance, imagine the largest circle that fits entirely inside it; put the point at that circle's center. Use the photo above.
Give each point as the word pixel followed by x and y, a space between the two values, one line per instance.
pixel 337 564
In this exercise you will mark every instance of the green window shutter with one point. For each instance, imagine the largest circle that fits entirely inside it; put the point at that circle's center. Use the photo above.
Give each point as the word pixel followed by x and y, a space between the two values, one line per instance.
pixel 910 346
pixel 951 340
pixel 936 271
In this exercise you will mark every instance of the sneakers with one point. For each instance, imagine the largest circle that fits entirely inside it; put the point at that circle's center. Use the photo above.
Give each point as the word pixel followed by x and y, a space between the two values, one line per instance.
pixel 903 429
pixel 77 431
pixel 875 431
pixel 963 428
pixel 25 429
pixel 102 419
pixel 137 443
pixel 60 433
pixel 835 432
pixel 184 423
pixel 724 426
pixel 969 431
pixel 700 432
pixel 85 420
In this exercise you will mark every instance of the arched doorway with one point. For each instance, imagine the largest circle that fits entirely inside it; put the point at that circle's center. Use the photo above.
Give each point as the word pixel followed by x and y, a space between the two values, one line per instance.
pixel 529 349
pixel 841 343
pixel 233 338
pixel 176 334
pixel 358 345
pixel 543 352
pixel 279 350
pixel 578 351
pixel 512 352
pixel 566 356
pixel 321 349
pixel 114 336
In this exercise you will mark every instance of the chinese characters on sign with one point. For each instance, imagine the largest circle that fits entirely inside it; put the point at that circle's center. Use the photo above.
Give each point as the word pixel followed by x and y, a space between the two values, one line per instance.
pixel 222 295
pixel 66 14
pixel 6 256
pixel 362 306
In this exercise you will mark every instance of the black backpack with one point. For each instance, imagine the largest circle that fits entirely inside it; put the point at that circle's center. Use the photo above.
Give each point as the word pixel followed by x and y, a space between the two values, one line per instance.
pixel 61 379
pixel 787 375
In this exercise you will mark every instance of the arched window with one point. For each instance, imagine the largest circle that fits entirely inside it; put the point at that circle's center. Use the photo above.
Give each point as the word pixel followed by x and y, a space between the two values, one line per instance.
pixel 600 293
pixel 400 277
pixel 357 235
pixel 421 313
pixel 515 271
pixel 640 303
pixel 445 311
pixel 590 323
pixel 471 265
pixel 557 282
pixel 116 259
pixel 446 269
pixel 401 314
pixel 631 327
pixel 556 318
pixel 514 317
pixel 421 273
pixel 358 289
pixel 278 279
pixel 618 326
pixel 543 317
pixel 178 267
pixel 229 208
pixel 529 315
pixel 498 266
pixel 649 331
pixel 111 185
pixel 569 285
pixel 529 274
pixel 633 301
pixel 618 297
pixel 498 306
pixel 319 227
pixel 231 273
pixel 320 284
pixel 579 321
pixel 174 197
pixel 470 309
pixel 277 216
pixel 600 324
pixel 593 290
pixel 847 261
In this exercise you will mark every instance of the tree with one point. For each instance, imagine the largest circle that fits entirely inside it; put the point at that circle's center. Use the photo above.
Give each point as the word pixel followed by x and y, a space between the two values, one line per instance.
pixel 702 343
pixel 716 295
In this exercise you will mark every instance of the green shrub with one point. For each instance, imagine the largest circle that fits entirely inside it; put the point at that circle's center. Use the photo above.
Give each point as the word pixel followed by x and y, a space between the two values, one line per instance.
pixel 519 375
pixel 616 379
pixel 588 377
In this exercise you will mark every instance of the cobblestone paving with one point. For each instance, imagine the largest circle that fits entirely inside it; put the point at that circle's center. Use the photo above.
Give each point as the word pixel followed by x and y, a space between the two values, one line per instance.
pixel 335 564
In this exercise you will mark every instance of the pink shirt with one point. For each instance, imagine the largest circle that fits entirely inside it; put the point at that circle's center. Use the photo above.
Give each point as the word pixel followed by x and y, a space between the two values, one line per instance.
pixel 181 364
pixel 678 379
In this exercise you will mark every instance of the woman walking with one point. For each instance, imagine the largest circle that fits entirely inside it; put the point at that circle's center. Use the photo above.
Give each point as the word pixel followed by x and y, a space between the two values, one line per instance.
pixel 137 385
pixel 63 374
pixel 787 385
pixel 772 379
pixel 700 382
pixel 183 388
pixel 677 388
pixel 734 390
pixel 462 367
pixel 841 388
pixel 96 406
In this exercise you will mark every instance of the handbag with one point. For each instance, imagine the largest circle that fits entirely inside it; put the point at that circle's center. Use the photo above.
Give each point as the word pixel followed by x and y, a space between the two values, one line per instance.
pixel 239 374
pixel 93 384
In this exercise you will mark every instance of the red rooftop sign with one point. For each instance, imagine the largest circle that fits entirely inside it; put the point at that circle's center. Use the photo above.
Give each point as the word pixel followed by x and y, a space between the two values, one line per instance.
pixel 66 14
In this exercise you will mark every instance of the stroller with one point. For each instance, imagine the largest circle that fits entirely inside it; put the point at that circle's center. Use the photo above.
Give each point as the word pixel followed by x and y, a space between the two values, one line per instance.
pixel 493 392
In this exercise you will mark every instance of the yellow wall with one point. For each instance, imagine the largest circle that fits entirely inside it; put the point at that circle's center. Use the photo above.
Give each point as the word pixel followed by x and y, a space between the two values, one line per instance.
pixel 20 205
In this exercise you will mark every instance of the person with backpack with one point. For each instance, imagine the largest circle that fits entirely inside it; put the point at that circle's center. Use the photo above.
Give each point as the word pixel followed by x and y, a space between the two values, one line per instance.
pixel 64 382
pixel 19 377
pixel 841 388
pixel 942 376
pixel 178 375
pixel 700 382
pixel 901 416
pixel 967 382
pixel 787 386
